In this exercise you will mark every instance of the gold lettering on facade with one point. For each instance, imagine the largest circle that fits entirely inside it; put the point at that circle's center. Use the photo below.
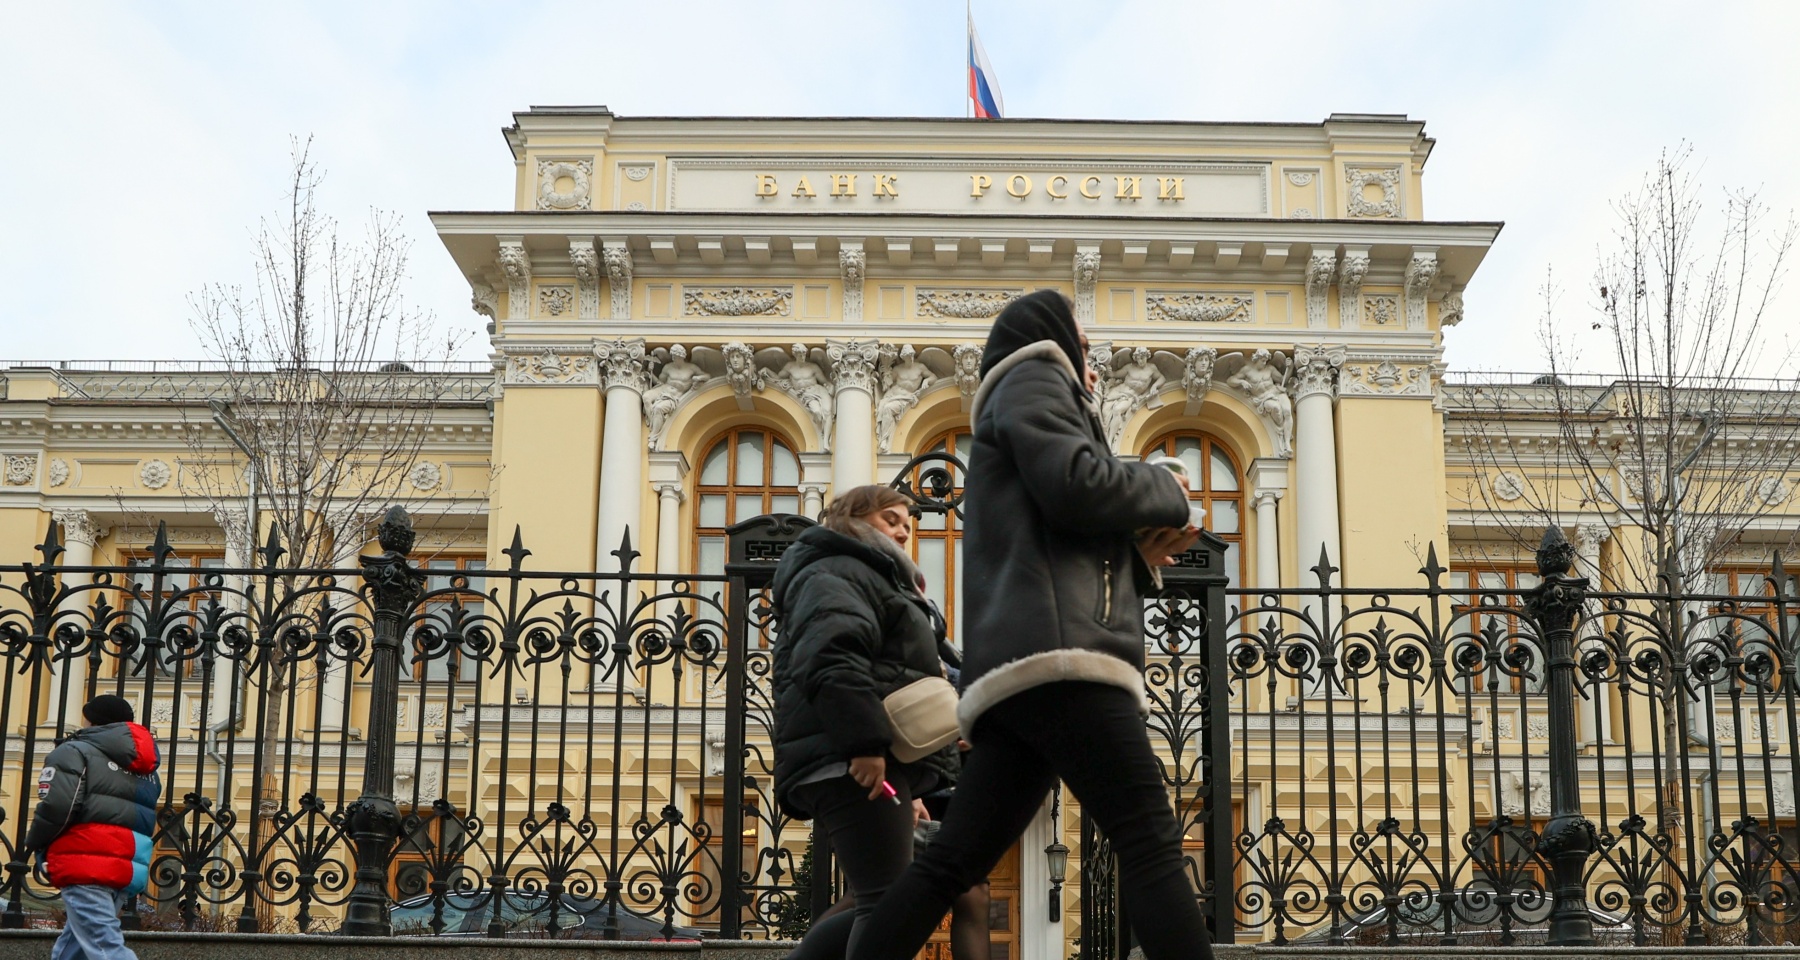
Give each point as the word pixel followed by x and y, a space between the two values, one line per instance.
pixel 1051 187
pixel 765 185
pixel 1169 188
pixel 804 188
pixel 979 182
pixel 1084 187
pixel 887 184
pixel 843 184
pixel 1018 185
pixel 1130 188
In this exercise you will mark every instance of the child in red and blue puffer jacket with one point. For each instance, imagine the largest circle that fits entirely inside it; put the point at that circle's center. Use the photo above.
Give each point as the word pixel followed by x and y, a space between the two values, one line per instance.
pixel 96 813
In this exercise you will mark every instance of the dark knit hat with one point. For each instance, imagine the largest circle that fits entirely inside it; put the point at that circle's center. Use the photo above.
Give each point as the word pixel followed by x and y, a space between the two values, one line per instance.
pixel 107 708
pixel 1043 315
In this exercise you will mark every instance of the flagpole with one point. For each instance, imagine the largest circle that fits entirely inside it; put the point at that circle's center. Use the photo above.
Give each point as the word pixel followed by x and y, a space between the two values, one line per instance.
pixel 968 18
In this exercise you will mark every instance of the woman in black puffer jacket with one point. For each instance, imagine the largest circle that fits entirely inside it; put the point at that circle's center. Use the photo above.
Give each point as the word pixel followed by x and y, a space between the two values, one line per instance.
pixel 855 627
pixel 1062 540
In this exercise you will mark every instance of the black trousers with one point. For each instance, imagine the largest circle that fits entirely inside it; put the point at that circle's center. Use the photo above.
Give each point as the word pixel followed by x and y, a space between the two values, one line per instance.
pixel 873 843
pixel 1091 736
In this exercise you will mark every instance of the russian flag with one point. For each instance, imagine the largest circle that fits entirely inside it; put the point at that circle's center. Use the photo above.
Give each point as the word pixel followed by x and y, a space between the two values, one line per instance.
pixel 982 88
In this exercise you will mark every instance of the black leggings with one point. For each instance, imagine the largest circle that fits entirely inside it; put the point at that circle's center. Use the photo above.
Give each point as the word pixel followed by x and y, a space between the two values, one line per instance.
pixel 873 843
pixel 1091 736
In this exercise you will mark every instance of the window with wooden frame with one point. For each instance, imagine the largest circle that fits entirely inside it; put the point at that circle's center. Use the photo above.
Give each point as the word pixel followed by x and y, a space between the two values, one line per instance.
pixel 1218 486
pixel 441 572
pixel 1753 613
pixel 745 472
pixel 1475 593
pixel 937 541
pixel 186 572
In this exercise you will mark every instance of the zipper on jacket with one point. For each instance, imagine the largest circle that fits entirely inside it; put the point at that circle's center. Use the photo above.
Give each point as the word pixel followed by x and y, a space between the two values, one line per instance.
pixel 1106 608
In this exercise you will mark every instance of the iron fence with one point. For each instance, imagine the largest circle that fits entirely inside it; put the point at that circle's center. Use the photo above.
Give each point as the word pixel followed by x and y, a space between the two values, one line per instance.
pixel 509 748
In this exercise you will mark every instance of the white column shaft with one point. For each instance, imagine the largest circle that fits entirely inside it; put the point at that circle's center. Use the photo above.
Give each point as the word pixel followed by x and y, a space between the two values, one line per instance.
pixel 65 711
pixel 853 449
pixel 621 472
pixel 346 545
pixel 668 528
pixel 1315 483
pixel 1268 550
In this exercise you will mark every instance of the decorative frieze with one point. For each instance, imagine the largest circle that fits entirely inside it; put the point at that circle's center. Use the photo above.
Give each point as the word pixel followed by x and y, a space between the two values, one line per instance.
pixel 575 196
pixel 586 260
pixel 21 469
pixel 1381 310
pixel 1385 376
pixel 1320 268
pixel 966 304
pixel 1356 179
pixel 1200 307
pixel 853 263
pixel 618 277
pixel 558 366
pixel 556 299
pixel 737 301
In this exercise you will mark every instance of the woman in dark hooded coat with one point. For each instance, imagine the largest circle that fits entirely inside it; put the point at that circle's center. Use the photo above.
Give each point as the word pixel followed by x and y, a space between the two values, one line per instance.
pixel 1062 539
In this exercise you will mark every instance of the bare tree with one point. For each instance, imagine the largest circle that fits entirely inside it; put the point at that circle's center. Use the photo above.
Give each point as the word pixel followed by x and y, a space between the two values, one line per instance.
pixel 327 383
pixel 1672 417
pixel 1673 413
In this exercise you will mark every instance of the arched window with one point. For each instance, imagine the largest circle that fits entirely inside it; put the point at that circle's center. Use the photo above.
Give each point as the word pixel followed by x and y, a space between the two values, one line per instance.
pixel 937 547
pixel 1220 489
pixel 746 472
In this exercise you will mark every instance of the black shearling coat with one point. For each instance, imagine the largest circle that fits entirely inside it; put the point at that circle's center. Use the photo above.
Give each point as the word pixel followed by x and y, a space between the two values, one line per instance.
pixel 853 630
pixel 1053 584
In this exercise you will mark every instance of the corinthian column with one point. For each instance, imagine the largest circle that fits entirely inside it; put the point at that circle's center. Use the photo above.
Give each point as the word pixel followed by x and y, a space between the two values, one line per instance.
pixel 1315 455
pixel 853 446
pixel 68 678
pixel 624 372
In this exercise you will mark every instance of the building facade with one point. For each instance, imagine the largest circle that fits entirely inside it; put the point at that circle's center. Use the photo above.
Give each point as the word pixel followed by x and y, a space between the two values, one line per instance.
pixel 695 321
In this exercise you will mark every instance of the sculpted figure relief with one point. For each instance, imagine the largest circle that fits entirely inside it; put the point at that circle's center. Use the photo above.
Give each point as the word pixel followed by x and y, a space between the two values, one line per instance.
pixel 903 378
pixel 677 378
pixel 1262 378
pixel 805 381
pixel 1126 389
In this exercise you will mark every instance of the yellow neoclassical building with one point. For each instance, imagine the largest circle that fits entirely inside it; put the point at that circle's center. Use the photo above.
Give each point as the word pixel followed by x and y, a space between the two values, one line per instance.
pixel 695 321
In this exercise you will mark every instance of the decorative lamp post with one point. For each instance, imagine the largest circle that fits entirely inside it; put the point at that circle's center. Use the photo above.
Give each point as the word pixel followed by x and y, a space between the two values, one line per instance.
pixel 1058 856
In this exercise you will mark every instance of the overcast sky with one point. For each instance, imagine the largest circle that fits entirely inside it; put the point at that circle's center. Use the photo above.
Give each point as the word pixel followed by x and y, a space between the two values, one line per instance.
pixel 142 141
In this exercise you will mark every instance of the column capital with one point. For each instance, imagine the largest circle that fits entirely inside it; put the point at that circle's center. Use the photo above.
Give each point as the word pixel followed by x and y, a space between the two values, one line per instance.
pixel 1268 476
pixel 623 363
pixel 1315 370
pixel 1590 537
pixel 78 526
pixel 853 364
pixel 669 490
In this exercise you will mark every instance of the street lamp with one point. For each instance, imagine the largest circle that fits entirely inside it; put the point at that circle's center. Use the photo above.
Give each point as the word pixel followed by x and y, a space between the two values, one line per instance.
pixel 1058 857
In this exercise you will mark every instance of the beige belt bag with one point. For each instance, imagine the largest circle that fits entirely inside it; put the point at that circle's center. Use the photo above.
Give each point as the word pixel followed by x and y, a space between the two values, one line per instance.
pixel 923 717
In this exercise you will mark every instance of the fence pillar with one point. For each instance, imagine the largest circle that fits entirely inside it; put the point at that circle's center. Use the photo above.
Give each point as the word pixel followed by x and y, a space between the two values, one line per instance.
pixel 1568 838
pixel 394 587
pixel 753 547
pixel 1200 575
